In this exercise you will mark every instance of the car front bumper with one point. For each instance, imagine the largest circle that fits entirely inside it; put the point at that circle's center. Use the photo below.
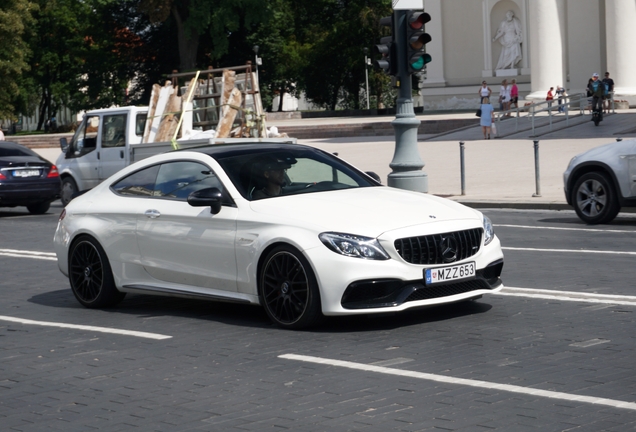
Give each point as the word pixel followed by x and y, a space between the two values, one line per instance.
pixel 350 286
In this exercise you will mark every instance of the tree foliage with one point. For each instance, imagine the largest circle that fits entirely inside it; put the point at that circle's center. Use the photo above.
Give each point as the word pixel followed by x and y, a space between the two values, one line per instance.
pixel 15 20
pixel 87 54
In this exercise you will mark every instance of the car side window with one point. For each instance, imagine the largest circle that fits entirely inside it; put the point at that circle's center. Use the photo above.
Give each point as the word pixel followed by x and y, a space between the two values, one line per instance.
pixel 140 124
pixel 114 131
pixel 85 139
pixel 180 179
pixel 140 183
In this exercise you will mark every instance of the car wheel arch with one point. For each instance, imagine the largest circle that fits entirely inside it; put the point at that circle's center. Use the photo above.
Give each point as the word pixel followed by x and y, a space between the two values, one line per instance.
pixel 599 167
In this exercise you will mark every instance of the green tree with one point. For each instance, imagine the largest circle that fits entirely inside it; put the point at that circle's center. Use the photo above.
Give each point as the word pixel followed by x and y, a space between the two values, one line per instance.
pixel 335 73
pixel 194 19
pixel 15 19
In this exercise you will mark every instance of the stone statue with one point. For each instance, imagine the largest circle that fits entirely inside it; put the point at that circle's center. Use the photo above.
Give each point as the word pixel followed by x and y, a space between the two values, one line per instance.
pixel 510 37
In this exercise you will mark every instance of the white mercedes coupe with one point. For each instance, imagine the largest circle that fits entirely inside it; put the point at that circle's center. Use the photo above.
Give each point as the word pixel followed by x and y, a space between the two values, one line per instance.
pixel 290 227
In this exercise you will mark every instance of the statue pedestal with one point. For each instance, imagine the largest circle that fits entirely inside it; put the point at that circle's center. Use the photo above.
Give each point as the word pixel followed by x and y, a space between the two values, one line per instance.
pixel 507 72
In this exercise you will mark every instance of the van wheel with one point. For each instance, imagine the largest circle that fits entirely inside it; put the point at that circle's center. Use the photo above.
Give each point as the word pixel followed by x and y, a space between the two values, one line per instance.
pixel 69 190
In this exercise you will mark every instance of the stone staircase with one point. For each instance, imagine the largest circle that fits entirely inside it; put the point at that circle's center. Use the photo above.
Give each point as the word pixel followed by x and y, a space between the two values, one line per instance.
pixel 371 129
pixel 39 140
pixel 334 130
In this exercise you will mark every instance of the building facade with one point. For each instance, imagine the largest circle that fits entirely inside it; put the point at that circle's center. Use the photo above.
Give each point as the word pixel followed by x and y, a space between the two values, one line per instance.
pixel 540 43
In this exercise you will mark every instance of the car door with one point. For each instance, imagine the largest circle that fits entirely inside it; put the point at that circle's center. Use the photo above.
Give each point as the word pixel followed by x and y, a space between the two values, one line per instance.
pixel 187 245
pixel 632 170
pixel 112 144
pixel 81 156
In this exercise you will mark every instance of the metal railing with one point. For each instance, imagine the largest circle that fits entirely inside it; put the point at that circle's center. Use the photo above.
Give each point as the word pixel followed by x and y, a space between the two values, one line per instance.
pixel 535 110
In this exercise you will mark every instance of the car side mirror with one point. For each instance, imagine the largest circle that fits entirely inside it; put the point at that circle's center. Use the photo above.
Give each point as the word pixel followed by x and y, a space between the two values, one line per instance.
pixel 63 144
pixel 209 197
pixel 374 176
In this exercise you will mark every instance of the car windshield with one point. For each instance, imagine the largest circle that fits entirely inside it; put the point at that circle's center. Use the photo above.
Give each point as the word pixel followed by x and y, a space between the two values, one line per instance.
pixel 296 171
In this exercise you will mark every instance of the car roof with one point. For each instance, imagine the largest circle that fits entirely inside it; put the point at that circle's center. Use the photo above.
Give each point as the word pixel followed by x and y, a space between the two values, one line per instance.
pixel 219 151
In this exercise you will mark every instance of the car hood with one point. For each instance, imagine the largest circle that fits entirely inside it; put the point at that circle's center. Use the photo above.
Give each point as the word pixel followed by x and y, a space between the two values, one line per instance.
pixel 606 152
pixel 365 211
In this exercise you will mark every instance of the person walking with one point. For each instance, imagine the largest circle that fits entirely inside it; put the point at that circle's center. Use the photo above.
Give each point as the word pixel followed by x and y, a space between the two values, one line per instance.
pixel 550 97
pixel 504 97
pixel 484 92
pixel 560 93
pixel 609 83
pixel 514 96
pixel 487 116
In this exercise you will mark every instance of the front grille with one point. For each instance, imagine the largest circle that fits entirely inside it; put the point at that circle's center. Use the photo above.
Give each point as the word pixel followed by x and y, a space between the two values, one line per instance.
pixel 427 249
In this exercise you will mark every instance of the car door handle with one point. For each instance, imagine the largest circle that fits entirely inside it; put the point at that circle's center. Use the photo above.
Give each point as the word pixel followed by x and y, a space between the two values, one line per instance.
pixel 152 214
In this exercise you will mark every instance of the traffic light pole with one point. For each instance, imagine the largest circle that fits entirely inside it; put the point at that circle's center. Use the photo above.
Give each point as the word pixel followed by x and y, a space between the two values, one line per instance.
pixel 406 165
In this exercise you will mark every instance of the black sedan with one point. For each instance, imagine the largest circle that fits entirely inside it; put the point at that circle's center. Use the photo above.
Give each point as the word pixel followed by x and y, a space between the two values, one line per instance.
pixel 26 179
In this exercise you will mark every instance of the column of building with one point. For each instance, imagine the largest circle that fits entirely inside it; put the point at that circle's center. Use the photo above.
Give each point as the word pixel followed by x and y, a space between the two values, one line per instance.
pixel 546 47
pixel 620 24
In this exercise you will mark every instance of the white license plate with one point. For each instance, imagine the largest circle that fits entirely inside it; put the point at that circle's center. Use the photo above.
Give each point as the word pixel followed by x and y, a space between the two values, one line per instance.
pixel 26 173
pixel 452 273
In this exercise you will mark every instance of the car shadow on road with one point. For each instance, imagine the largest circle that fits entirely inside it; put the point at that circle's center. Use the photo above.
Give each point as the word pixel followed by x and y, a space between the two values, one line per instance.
pixel 148 306
pixel 626 221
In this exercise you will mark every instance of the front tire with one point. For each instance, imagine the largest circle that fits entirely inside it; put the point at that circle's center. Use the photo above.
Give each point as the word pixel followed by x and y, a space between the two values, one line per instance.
pixel 91 276
pixel 69 190
pixel 288 289
pixel 594 198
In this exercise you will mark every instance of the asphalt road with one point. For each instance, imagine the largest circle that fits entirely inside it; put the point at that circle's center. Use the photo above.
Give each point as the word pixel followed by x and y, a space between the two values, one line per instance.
pixel 554 351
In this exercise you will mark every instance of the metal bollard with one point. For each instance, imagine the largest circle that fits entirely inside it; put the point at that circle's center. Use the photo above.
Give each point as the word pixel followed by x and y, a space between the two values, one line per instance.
pixel 537 176
pixel 462 166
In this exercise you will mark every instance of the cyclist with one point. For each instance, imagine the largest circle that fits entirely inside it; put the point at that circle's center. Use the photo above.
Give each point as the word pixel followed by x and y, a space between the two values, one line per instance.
pixel 597 89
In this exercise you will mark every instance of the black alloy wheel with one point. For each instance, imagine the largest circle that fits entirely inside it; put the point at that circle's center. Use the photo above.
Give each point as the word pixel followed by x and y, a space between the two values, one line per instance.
pixel 595 200
pixel 288 289
pixel 91 276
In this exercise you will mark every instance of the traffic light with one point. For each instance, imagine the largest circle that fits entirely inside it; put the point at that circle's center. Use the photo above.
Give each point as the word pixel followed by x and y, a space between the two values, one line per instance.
pixel 416 40
pixel 387 49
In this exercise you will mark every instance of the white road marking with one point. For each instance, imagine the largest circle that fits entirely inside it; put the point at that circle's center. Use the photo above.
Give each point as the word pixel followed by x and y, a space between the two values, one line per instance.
pixel 590 343
pixel 87 328
pixel 462 381
pixel 610 299
pixel 28 254
pixel 570 251
pixel 566 229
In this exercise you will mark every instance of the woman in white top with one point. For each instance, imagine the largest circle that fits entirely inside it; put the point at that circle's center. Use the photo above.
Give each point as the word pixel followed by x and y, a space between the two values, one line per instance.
pixel 504 97
pixel 484 92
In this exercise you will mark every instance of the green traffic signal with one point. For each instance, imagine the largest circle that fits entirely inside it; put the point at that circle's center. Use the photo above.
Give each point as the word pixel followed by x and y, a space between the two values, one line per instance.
pixel 416 39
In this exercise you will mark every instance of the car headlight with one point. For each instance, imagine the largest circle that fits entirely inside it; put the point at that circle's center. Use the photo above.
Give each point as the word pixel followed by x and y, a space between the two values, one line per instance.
pixel 489 231
pixel 354 246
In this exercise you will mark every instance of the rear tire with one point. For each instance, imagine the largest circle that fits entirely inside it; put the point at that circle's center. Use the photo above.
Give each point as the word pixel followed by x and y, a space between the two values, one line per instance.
pixel 91 276
pixel 594 198
pixel 39 208
pixel 288 289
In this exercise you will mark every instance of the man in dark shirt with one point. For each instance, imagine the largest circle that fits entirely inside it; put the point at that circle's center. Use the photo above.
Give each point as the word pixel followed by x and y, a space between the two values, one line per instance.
pixel 596 89
pixel 610 88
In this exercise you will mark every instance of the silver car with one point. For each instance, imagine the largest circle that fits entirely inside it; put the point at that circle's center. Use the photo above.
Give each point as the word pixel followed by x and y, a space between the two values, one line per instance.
pixel 600 181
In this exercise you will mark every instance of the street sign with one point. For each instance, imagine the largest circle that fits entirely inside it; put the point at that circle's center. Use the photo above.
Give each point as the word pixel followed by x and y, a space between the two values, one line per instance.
pixel 408 4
